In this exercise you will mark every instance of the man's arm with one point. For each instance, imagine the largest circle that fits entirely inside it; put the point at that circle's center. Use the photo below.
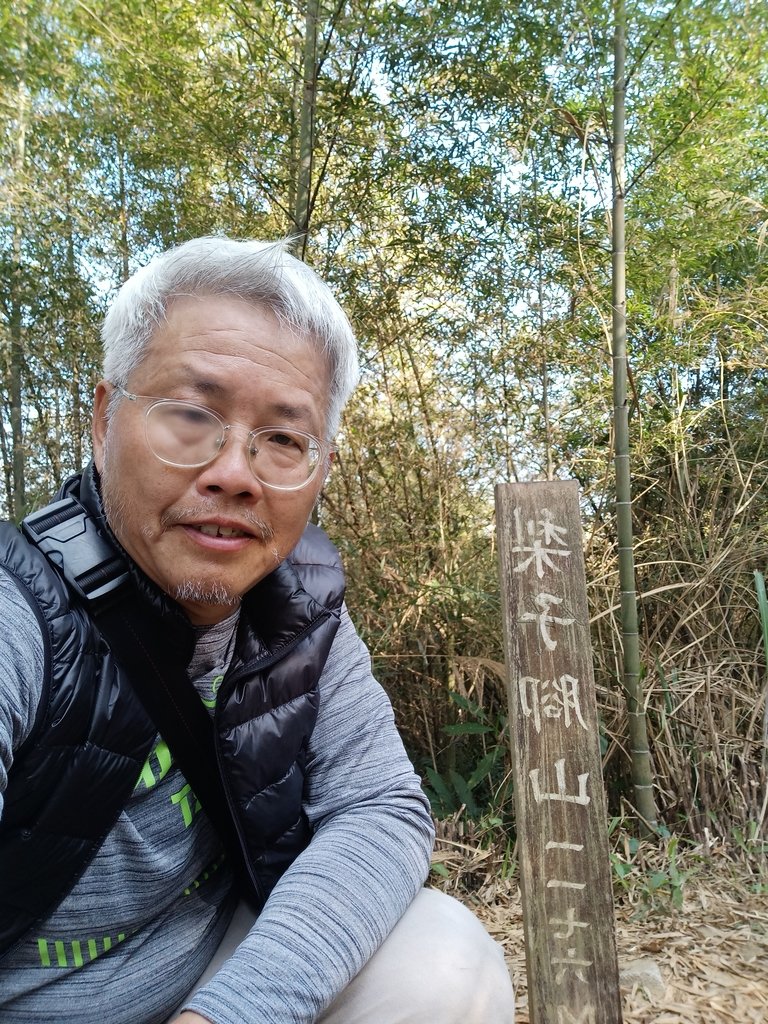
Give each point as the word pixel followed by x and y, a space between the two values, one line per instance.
pixel 21 674
pixel 367 860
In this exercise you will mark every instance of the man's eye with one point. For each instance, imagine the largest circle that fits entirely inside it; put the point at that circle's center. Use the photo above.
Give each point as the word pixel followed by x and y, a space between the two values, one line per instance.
pixel 192 417
pixel 286 441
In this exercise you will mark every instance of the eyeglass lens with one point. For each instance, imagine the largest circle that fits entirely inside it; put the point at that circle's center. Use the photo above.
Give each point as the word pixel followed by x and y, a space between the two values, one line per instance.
pixel 187 435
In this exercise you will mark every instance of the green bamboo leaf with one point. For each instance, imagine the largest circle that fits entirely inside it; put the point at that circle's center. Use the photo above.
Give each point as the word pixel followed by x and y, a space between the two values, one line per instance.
pixel 484 768
pixel 464 794
pixel 465 728
pixel 467 705
pixel 445 799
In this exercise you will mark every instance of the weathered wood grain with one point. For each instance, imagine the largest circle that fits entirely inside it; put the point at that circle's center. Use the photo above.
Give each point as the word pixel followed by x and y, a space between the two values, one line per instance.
pixel 559 797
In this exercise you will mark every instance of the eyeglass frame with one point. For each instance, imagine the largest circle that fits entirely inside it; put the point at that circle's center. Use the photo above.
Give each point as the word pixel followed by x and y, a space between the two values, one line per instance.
pixel 326 448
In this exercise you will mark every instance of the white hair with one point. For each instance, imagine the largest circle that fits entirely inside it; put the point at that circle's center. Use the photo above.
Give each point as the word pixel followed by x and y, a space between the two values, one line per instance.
pixel 262 273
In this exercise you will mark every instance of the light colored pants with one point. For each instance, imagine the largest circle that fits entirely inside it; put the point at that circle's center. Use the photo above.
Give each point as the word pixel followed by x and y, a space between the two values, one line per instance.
pixel 438 966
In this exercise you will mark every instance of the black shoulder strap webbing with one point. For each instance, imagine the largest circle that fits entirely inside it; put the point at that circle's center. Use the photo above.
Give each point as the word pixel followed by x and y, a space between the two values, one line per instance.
pixel 97 571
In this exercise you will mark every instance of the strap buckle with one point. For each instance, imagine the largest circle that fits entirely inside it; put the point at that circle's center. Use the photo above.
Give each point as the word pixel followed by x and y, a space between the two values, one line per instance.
pixel 66 533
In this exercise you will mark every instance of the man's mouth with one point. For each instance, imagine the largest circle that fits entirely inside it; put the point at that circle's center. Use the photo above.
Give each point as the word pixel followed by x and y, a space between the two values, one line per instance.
pixel 212 530
pixel 218 522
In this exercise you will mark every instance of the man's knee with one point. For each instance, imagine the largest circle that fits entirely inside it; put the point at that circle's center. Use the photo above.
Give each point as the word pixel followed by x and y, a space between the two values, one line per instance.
pixel 438 965
pixel 460 972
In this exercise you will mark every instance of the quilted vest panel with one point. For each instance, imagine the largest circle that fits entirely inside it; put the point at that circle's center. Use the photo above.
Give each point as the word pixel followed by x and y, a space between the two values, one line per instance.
pixel 72 778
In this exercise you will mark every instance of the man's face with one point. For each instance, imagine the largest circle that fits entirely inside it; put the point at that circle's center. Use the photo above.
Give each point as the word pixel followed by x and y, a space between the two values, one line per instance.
pixel 234 358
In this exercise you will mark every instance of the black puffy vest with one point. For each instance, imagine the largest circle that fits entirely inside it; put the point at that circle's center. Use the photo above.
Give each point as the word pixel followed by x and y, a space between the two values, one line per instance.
pixel 71 779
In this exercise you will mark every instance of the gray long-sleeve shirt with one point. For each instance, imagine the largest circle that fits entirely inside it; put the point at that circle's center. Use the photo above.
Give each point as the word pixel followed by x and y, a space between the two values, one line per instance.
pixel 139 927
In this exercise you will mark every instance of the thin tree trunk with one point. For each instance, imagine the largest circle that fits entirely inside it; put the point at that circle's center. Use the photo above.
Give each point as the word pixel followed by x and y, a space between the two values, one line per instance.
pixel 73 354
pixel 7 467
pixel 297 93
pixel 16 362
pixel 674 282
pixel 125 271
pixel 542 338
pixel 302 209
pixel 641 762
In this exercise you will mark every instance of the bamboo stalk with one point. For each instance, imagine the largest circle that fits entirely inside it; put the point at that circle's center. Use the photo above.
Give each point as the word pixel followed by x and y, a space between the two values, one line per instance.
pixel 302 211
pixel 642 777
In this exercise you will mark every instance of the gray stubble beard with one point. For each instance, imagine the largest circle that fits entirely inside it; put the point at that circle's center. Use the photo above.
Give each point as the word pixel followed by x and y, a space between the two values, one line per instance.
pixel 204 593
pixel 213 593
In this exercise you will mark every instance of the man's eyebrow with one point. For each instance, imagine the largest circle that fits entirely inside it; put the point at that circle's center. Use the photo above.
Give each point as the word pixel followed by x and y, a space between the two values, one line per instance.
pixel 281 411
pixel 291 413
pixel 202 385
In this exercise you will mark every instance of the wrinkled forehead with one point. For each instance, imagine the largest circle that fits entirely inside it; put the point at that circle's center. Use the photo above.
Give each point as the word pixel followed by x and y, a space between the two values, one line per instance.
pixel 207 314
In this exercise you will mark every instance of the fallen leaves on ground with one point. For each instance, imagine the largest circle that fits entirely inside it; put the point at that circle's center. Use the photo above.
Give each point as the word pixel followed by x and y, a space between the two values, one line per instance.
pixel 712 952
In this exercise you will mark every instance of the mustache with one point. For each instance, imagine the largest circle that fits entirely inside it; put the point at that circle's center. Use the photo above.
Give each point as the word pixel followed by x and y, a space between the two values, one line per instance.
pixel 258 526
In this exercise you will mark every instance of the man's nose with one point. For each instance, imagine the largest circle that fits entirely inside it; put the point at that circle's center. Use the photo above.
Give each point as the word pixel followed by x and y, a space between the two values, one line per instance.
pixel 230 471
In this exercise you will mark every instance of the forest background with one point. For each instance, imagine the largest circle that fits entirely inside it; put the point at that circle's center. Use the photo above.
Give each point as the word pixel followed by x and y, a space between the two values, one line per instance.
pixel 446 167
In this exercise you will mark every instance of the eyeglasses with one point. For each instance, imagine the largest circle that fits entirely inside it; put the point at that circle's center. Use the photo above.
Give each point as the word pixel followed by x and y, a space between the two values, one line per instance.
pixel 187 435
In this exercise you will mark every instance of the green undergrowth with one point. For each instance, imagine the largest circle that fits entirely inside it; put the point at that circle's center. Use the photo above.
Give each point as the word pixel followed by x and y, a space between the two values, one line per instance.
pixel 470 778
pixel 653 876
pixel 469 785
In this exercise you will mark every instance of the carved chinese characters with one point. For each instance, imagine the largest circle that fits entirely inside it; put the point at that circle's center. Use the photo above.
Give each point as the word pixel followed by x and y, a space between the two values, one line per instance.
pixel 561 817
pixel 550 698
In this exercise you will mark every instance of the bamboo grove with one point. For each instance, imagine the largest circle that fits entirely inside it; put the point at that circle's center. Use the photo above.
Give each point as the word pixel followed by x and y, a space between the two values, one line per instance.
pixel 450 168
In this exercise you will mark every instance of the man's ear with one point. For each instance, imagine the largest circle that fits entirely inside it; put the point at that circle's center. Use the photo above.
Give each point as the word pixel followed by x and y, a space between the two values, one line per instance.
pixel 99 424
pixel 327 469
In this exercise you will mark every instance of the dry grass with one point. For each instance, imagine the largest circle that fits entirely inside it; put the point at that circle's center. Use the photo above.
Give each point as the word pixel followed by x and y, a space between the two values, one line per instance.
pixel 712 951
pixel 700 534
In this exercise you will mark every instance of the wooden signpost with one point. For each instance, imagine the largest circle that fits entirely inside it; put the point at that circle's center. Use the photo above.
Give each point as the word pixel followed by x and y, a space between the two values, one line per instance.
pixel 560 802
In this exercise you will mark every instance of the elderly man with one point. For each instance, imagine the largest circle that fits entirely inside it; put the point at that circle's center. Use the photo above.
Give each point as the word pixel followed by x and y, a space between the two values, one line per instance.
pixel 205 808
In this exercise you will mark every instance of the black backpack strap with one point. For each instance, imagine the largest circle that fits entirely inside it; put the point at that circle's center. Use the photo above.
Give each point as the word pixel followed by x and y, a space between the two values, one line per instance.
pixel 98 573
pixel 70 538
